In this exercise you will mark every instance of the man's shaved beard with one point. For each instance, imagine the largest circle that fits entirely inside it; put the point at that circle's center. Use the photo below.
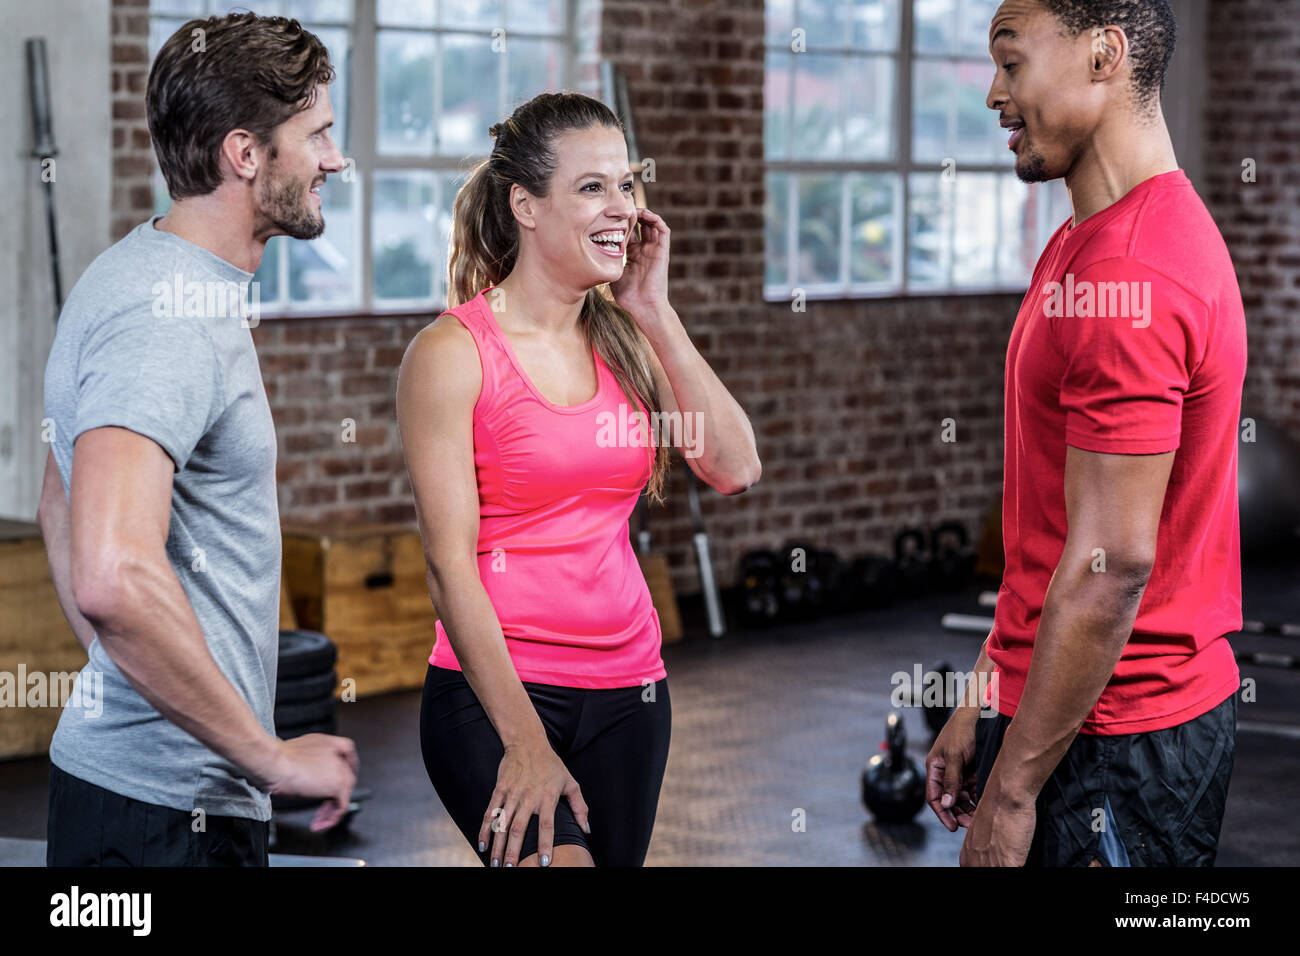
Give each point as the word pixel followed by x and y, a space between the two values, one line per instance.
pixel 282 202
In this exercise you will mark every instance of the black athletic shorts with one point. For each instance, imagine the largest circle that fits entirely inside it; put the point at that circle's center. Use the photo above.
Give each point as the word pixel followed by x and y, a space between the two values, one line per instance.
pixel 1147 799
pixel 614 742
pixel 91 826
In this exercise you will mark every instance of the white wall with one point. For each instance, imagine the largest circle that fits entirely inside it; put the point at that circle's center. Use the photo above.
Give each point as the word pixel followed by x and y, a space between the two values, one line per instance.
pixel 77 41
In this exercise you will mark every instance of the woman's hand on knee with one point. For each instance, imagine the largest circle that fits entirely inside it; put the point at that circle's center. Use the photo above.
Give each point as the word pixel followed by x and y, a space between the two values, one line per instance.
pixel 530 780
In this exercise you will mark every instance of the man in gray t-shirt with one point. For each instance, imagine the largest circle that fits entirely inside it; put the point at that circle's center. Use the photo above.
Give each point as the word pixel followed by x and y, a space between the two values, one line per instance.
pixel 191 384
pixel 159 507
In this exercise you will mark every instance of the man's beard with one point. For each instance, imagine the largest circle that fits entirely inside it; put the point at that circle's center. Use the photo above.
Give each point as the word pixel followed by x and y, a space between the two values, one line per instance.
pixel 1034 168
pixel 282 203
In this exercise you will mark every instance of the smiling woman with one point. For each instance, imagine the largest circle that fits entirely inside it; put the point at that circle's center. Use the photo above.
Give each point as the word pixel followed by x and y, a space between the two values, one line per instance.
pixel 559 323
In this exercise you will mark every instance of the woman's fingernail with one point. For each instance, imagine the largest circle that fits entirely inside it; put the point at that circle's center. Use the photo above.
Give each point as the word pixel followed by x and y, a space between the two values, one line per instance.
pixel 496 862
pixel 946 802
pixel 587 826
pixel 482 847
pixel 508 865
pixel 546 860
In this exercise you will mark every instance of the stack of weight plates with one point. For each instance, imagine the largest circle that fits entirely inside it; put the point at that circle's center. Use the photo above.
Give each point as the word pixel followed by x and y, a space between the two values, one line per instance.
pixel 304 694
pixel 304 690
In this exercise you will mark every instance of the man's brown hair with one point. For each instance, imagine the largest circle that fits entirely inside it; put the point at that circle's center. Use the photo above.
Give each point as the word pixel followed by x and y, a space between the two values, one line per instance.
pixel 240 72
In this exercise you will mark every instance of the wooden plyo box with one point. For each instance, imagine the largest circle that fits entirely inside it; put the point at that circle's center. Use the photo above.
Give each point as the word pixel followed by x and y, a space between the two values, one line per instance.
pixel 35 643
pixel 364 587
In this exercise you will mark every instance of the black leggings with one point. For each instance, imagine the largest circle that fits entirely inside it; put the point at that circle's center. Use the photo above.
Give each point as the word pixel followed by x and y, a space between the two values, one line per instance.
pixel 614 742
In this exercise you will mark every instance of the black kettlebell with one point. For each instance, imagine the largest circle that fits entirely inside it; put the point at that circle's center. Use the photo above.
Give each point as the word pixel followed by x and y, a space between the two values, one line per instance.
pixel 911 561
pixel 874 580
pixel 759 573
pixel 952 562
pixel 801 584
pixel 893 787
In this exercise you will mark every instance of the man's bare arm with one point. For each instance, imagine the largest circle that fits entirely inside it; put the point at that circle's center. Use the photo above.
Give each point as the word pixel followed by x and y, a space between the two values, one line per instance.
pixel 52 518
pixel 1113 505
pixel 123 584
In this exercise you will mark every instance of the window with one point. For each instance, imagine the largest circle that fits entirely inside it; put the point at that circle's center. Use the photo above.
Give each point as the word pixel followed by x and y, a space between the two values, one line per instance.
pixel 886 173
pixel 418 84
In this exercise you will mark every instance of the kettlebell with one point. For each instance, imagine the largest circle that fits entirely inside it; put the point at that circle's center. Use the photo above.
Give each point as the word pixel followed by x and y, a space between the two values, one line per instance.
pixel 893 787
pixel 912 561
pixel 759 574
pixel 952 561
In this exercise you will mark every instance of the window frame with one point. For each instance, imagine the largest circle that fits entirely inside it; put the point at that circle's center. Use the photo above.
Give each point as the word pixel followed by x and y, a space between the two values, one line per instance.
pixel 363 149
pixel 901 168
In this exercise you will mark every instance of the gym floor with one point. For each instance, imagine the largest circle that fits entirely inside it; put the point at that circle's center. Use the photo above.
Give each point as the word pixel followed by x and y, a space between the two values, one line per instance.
pixel 768 722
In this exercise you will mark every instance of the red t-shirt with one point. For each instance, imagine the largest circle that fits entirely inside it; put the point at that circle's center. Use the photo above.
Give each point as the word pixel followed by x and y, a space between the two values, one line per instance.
pixel 1159 373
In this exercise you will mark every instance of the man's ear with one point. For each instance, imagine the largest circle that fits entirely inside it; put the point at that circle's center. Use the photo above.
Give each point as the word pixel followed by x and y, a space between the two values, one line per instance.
pixel 1109 51
pixel 243 154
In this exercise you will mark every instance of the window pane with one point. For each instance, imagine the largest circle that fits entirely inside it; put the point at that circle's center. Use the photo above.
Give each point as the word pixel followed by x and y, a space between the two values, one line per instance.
pixel 469 94
pixel 975 232
pixel 974 20
pixel 776 222
pixel 825 22
pixel 324 272
pixel 405 93
pixel 449 184
pixel 470 14
pixel 1018 206
pixel 160 31
pixel 776 101
pixel 779 16
pixel 868 110
pixel 816 114
pixel 874 24
pixel 403 230
pixel 405 13
pixel 871 241
pixel 957 27
pixel 979 138
pixel 266 8
pixel 934 85
pixel 929 217
pixel 267 275
pixel 534 66
pixel 336 40
pixel 537 16
pixel 185 9
pixel 819 229
pixel 332 11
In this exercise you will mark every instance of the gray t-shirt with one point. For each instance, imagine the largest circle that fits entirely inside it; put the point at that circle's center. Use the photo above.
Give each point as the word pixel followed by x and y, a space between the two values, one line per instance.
pixel 151 339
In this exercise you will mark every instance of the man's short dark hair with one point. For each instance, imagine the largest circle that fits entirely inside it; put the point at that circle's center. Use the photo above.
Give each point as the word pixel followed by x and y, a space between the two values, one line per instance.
pixel 1149 25
pixel 240 72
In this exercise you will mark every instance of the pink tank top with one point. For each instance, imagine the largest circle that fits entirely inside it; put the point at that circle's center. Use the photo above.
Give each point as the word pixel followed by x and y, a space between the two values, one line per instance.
pixel 556 486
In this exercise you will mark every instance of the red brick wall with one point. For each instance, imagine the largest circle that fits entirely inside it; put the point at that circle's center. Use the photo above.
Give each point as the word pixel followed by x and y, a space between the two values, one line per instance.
pixel 847 398
pixel 1253 112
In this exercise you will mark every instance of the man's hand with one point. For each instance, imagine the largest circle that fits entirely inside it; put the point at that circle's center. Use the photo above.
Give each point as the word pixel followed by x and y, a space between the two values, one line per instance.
pixel 1001 830
pixel 316 765
pixel 950 770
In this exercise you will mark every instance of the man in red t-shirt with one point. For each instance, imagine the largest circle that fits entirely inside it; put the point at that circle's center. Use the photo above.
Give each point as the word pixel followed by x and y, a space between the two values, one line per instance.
pixel 1110 725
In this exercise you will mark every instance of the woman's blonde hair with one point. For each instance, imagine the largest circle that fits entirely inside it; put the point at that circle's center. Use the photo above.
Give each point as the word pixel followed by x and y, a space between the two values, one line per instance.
pixel 485 239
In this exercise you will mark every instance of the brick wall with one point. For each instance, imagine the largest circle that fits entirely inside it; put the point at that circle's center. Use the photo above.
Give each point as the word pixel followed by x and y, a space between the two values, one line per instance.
pixel 132 153
pixel 1253 112
pixel 847 398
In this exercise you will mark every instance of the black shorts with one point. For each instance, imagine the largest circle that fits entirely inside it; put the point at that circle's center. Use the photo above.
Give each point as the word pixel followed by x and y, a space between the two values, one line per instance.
pixel 614 742
pixel 1147 799
pixel 91 826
